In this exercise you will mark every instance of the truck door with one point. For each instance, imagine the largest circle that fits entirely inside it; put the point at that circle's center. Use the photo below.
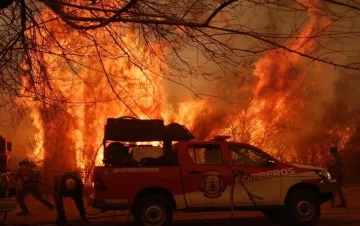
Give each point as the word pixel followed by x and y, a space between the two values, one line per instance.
pixel 264 178
pixel 207 180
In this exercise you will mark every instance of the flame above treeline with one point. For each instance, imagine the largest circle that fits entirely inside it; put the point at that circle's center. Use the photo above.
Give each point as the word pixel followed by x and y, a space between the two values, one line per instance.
pixel 78 97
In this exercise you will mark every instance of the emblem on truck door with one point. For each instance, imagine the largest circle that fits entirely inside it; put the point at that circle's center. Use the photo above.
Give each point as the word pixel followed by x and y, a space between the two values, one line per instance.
pixel 212 183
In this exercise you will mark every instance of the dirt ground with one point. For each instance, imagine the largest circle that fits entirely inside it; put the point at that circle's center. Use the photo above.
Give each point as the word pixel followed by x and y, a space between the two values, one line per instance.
pixel 40 215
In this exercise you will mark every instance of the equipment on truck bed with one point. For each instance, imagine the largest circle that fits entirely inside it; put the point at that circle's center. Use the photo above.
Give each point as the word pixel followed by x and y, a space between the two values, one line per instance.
pixel 139 153
pixel 124 132
pixel 132 129
pixel 115 154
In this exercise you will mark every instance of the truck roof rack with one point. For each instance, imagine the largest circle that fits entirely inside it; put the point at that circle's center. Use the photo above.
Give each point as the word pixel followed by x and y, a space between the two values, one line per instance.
pixel 220 138
pixel 130 129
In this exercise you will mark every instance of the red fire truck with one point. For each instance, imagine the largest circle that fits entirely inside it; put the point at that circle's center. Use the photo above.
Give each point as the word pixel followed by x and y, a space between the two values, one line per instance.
pixel 7 202
pixel 200 176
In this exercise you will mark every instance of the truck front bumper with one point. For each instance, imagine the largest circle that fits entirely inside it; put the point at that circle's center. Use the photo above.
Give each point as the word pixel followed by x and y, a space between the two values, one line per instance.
pixel 327 189
pixel 327 186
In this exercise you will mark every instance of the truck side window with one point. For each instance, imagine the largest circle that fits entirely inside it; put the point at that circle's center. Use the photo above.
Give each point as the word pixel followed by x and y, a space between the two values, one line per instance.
pixel 208 154
pixel 245 156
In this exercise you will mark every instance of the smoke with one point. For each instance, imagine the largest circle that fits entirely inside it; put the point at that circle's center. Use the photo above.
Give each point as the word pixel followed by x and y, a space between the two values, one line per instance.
pixel 300 97
pixel 226 88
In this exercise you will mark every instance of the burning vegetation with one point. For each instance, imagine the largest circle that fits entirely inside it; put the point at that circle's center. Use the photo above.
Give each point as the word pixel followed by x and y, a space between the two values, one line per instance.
pixel 75 77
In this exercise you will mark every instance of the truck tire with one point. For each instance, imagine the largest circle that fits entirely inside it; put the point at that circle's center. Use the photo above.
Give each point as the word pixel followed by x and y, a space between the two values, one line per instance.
pixel 302 208
pixel 276 216
pixel 153 210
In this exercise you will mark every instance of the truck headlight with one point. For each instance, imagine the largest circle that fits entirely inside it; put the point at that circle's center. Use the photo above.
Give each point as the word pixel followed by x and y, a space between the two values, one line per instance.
pixel 324 174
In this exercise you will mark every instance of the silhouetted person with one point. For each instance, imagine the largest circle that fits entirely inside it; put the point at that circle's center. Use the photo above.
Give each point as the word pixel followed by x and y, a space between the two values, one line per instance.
pixel 68 184
pixel 4 181
pixel 7 182
pixel 336 170
pixel 12 184
pixel 30 185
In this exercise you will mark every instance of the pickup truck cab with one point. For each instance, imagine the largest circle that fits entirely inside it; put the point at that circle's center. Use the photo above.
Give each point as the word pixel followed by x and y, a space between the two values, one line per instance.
pixel 203 176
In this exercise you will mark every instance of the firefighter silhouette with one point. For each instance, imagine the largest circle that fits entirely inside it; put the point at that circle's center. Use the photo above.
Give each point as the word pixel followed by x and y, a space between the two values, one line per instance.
pixel 30 179
pixel 212 184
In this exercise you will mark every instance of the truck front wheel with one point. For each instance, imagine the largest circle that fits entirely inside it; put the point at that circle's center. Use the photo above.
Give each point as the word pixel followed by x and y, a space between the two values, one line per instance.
pixel 153 210
pixel 303 208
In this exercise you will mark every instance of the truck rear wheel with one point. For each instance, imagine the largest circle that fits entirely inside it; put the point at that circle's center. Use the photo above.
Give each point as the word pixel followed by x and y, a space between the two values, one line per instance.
pixel 303 208
pixel 153 210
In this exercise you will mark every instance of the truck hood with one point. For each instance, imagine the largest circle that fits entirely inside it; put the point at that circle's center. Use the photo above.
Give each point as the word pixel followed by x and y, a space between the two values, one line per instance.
pixel 308 167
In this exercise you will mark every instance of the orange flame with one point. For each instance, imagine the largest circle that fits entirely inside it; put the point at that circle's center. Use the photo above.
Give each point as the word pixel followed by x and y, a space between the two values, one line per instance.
pixel 79 98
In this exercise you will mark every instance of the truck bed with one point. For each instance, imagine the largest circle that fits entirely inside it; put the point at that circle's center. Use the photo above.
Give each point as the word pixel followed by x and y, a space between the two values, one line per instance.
pixel 117 180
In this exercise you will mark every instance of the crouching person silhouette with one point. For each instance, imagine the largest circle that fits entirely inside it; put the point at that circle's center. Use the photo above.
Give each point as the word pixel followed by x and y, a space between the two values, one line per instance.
pixel 68 185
